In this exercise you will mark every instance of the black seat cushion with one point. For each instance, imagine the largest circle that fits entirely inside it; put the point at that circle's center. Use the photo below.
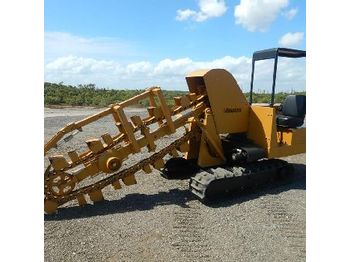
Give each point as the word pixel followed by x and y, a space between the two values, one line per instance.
pixel 293 111
pixel 289 121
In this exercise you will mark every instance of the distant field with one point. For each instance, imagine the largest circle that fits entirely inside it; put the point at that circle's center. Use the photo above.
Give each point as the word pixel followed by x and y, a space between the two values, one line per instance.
pixel 90 95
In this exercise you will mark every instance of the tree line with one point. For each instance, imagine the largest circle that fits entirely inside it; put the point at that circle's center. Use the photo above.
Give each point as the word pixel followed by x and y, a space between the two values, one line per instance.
pixel 90 95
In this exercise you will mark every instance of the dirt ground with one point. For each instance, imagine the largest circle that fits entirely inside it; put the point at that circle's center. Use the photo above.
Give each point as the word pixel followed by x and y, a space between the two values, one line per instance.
pixel 160 220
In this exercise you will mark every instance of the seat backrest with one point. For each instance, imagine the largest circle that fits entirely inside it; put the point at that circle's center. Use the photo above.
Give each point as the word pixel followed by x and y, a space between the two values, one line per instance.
pixel 294 105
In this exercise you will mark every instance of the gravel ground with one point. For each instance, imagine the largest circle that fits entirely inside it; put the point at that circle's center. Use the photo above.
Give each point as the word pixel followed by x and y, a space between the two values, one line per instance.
pixel 159 220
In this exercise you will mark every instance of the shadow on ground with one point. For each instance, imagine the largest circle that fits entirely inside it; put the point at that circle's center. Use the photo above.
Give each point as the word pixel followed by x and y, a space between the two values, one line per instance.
pixel 141 202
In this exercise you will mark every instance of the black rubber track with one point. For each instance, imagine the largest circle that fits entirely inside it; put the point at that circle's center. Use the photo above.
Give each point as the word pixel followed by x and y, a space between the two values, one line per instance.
pixel 219 181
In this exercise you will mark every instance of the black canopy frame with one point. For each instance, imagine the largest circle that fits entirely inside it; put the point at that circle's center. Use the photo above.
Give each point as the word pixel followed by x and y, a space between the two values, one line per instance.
pixel 272 53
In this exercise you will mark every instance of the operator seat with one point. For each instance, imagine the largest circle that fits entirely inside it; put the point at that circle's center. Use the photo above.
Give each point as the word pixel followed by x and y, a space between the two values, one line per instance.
pixel 293 112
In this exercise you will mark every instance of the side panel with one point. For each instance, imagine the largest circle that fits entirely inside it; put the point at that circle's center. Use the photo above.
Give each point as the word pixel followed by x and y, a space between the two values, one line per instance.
pixel 289 142
pixel 262 127
pixel 277 143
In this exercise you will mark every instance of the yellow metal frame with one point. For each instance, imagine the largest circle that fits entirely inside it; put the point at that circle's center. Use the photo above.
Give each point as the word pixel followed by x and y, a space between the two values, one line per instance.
pixel 277 142
pixel 211 152
pixel 106 154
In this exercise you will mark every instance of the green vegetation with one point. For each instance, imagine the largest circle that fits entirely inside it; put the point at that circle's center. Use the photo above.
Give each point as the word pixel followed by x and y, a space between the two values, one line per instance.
pixel 266 97
pixel 89 95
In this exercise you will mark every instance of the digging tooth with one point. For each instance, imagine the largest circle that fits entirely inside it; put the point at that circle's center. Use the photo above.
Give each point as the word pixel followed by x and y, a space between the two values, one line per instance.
pixel 150 140
pixel 158 164
pixel 73 155
pixel 129 180
pixel 155 111
pixel 147 169
pixel 185 101
pixel 151 110
pixel 107 138
pixel 136 120
pixel 81 200
pixel 96 196
pixel 116 185
pixel 177 100
pixel 192 96
pixel 58 162
pixel 95 145
pixel 174 153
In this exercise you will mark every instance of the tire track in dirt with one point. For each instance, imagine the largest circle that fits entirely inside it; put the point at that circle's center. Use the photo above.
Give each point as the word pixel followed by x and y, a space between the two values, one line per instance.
pixel 290 227
pixel 189 237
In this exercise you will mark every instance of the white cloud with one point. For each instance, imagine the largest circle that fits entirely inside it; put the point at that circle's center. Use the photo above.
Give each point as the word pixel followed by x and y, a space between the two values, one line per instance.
pixel 291 39
pixel 139 67
pixel 290 13
pixel 290 74
pixel 59 44
pixel 169 73
pixel 185 14
pixel 258 15
pixel 208 9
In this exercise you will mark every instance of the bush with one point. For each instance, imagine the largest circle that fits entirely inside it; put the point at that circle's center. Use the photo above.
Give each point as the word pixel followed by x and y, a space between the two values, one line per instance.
pixel 89 95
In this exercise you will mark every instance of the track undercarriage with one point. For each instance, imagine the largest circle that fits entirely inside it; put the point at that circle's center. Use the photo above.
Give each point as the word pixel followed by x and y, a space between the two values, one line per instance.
pixel 235 176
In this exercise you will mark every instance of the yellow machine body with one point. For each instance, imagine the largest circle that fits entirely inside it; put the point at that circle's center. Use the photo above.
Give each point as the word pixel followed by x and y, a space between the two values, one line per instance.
pixel 228 104
pixel 232 114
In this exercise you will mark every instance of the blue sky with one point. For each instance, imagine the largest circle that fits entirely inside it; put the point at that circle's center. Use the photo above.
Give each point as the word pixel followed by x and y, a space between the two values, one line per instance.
pixel 135 44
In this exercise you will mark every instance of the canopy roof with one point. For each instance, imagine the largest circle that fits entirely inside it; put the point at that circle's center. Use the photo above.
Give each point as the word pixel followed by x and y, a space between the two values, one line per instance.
pixel 284 52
